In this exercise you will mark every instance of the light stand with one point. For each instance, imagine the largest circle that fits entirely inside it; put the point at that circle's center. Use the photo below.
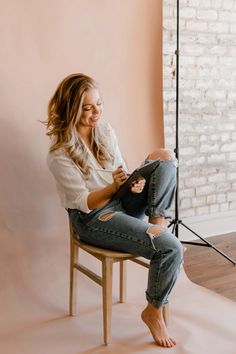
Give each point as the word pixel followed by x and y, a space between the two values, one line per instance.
pixel 176 221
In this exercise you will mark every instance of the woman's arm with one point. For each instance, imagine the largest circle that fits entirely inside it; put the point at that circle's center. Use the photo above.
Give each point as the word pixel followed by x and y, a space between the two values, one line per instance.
pixel 102 196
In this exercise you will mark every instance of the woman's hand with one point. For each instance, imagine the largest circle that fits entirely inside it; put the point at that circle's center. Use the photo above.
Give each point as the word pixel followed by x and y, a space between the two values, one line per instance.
pixel 137 186
pixel 119 177
pixel 102 196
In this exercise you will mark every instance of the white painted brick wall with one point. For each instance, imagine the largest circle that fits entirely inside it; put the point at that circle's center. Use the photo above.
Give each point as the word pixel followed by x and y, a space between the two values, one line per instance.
pixel 207 102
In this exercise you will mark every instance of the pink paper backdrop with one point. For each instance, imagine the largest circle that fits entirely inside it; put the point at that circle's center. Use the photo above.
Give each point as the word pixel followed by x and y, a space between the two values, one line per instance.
pixel 119 43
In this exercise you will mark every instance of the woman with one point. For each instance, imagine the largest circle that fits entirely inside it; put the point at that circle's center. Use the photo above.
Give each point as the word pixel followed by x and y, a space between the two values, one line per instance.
pixel 83 153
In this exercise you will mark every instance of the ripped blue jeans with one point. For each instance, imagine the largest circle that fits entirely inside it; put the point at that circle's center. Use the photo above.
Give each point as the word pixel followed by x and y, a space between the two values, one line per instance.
pixel 124 229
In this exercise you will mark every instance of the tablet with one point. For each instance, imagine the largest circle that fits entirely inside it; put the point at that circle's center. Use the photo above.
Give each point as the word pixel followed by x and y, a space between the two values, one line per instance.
pixel 142 171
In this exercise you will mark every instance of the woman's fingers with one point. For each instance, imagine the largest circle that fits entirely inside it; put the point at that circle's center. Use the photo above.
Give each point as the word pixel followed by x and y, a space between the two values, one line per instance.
pixel 139 183
pixel 119 176
pixel 138 186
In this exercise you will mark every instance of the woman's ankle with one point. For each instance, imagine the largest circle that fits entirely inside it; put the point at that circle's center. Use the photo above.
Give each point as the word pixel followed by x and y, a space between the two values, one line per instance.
pixel 153 311
pixel 161 220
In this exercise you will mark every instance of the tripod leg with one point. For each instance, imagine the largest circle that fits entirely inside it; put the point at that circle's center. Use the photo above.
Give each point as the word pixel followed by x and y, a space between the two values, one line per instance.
pixel 173 228
pixel 209 244
pixel 172 223
pixel 177 230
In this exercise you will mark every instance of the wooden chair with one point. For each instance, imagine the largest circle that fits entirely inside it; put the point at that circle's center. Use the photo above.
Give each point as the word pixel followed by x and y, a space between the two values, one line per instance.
pixel 107 257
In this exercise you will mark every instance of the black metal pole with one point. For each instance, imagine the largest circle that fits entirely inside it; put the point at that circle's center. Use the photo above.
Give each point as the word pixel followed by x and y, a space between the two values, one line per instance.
pixel 177 125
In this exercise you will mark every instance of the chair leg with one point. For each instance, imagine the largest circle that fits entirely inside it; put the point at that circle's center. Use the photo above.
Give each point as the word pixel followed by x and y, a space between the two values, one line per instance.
pixel 107 268
pixel 123 266
pixel 74 256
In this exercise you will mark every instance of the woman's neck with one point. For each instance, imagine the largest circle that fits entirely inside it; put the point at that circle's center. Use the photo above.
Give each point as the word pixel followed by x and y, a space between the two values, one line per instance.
pixel 86 134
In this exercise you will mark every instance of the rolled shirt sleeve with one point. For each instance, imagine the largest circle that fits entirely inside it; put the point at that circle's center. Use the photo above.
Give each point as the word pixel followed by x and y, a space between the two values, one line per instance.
pixel 70 184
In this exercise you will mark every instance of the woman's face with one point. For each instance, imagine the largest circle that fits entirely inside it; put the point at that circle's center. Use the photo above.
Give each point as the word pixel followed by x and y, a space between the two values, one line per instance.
pixel 91 109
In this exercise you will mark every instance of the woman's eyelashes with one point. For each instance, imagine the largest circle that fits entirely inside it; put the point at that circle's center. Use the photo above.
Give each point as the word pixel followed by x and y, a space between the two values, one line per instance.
pixel 91 107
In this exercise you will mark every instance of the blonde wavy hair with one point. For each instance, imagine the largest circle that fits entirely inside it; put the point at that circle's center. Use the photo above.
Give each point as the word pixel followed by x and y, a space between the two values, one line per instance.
pixel 64 112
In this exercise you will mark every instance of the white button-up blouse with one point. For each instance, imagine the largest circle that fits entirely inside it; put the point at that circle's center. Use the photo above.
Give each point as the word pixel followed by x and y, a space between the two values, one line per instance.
pixel 72 187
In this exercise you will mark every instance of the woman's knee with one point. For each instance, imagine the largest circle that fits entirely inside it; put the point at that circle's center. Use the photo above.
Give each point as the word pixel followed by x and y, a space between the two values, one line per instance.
pixel 162 154
pixel 176 250
pixel 172 247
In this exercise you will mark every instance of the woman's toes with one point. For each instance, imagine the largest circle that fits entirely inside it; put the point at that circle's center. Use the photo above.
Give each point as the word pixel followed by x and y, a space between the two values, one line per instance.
pixel 173 342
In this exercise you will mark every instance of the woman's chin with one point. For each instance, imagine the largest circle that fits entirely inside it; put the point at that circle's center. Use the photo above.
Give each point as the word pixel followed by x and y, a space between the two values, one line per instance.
pixel 95 123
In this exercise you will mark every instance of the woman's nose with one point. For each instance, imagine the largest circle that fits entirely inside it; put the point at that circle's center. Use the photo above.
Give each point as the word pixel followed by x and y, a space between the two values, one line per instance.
pixel 96 109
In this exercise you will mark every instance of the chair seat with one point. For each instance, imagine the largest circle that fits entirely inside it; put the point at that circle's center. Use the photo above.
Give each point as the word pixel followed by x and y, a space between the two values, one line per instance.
pixel 104 252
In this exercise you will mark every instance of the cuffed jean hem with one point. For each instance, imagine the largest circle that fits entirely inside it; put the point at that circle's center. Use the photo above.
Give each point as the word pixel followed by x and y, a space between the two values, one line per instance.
pixel 156 303
pixel 153 212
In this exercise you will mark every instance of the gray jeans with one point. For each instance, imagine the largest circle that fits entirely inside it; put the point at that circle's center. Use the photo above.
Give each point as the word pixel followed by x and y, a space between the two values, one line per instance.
pixel 125 230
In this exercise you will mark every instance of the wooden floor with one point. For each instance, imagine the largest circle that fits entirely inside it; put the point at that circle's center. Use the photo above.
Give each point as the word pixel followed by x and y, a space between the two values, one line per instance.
pixel 206 267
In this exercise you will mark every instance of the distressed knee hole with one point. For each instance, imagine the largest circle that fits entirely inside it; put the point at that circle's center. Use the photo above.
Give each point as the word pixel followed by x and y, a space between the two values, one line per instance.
pixel 107 216
pixel 168 154
pixel 163 154
pixel 155 231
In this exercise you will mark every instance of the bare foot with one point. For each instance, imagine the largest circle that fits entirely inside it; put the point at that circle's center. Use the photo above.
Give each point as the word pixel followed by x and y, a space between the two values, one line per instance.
pixel 153 318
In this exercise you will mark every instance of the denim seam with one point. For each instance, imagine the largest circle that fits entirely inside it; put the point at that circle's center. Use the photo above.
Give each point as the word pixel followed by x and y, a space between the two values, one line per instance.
pixel 153 195
pixel 122 236
pixel 157 276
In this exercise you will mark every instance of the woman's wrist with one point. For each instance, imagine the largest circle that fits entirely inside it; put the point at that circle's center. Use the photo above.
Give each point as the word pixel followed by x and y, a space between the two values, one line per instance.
pixel 113 188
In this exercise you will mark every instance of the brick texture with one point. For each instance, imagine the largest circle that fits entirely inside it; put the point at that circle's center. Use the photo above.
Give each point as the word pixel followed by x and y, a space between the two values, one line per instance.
pixel 207 102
